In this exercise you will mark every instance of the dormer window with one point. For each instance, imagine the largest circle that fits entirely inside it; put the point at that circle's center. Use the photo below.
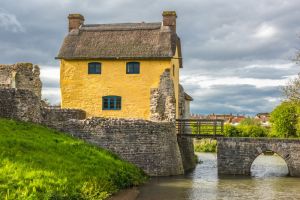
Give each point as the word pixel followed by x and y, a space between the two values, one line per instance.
pixel 133 68
pixel 94 68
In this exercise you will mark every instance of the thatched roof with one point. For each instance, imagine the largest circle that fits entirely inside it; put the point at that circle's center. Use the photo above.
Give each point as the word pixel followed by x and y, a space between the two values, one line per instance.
pixel 120 41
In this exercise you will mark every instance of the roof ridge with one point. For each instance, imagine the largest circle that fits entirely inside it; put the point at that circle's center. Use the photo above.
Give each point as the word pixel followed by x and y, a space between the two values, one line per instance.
pixel 121 26
pixel 125 23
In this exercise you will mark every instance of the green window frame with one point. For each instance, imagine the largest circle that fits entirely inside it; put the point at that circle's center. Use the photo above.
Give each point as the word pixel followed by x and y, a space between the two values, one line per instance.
pixel 132 68
pixel 94 68
pixel 111 103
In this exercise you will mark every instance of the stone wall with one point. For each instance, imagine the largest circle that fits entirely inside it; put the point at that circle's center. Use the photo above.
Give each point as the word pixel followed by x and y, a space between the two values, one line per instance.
pixel 21 76
pixel 236 155
pixel 19 104
pixel 162 100
pixel 54 117
pixel 186 147
pixel 150 145
pixel 181 103
pixel 24 105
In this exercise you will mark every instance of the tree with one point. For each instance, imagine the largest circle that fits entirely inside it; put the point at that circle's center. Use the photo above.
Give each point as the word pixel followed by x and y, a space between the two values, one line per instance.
pixel 284 119
pixel 292 90
pixel 250 121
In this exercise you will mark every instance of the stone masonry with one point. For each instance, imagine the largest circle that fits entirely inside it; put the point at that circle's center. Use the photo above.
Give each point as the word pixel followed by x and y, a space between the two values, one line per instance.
pixel 152 146
pixel 21 76
pixel 236 155
pixel 181 105
pixel 162 100
pixel 53 117
pixel 186 147
pixel 20 104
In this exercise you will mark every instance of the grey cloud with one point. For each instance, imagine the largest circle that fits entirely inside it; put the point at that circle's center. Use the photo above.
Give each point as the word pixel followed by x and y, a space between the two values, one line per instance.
pixel 243 99
pixel 9 22
pixel 217 40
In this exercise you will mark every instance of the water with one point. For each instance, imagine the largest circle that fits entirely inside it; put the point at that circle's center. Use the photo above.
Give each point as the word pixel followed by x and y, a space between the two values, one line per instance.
pixel 268 181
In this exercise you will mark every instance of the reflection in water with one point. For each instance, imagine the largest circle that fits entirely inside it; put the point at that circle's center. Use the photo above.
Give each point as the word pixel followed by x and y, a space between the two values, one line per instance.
pixel 204 183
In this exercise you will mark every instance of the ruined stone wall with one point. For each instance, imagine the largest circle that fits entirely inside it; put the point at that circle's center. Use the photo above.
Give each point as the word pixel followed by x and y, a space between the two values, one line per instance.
pixel 186 146
pixel 162 100
pixel 236 155
pixel 19 104
pixel 181 103
pixel 150 145
pixel 21 76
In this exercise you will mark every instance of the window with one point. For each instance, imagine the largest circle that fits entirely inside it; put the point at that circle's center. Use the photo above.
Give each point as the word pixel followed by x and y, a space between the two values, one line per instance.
pixel 111 103
pixel 94 68
pixel 133 68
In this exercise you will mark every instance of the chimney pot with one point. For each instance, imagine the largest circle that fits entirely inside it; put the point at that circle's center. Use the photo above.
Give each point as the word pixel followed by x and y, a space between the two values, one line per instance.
pixel 75 21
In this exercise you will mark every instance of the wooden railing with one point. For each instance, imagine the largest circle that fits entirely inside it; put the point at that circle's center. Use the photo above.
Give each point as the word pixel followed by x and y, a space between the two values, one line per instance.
pixel 200 128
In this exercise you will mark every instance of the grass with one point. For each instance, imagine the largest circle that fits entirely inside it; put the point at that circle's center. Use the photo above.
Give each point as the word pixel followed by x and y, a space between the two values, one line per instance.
pixel 205 145
pixel 40 163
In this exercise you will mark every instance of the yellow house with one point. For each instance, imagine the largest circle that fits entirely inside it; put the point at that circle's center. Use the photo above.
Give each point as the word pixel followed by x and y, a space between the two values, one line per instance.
pixel 126 70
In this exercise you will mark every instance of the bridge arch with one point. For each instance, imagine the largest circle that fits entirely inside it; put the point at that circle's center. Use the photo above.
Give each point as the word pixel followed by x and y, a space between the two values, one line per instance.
pixel 279 153
pixel 236 155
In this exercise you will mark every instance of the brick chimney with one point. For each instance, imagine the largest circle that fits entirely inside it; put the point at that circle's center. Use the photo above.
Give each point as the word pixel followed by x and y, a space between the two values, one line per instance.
pixel 75 21
pixel 169 19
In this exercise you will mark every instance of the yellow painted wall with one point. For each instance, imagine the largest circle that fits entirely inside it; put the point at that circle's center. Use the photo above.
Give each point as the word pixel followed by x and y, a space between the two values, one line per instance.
pixel 84 91
pixel 175 63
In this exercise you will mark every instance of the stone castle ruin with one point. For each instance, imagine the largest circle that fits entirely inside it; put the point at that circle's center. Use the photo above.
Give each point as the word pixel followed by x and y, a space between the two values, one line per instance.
pixel 151 145
pixel 21 76
pixel 20 92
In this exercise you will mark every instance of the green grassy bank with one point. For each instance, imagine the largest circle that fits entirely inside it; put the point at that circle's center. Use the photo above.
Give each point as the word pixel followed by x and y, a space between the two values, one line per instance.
pixel 40 163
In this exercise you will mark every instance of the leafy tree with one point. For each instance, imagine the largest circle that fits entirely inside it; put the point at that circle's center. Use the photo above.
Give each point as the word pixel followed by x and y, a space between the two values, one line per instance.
pixel 298 120
pixel 292 90
pixel 250 121
pixel 284 119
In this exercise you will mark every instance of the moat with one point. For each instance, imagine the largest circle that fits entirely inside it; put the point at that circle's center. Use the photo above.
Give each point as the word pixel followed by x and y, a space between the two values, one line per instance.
pixel 268 181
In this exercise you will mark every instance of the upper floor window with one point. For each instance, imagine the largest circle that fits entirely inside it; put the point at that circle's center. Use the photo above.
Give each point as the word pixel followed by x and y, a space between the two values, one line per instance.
pixel 111 103
pixel 94 68
pixel 133 68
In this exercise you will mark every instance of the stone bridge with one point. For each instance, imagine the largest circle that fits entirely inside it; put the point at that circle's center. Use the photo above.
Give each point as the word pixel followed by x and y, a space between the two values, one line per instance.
pixel 236 155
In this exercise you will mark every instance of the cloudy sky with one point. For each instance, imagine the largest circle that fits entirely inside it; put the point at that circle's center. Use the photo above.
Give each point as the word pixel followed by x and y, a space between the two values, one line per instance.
pixel 237 53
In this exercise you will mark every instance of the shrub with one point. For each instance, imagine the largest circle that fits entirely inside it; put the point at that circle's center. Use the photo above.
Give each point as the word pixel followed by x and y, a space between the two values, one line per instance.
pixel 245 131
pixel 231 131
pixel 205 145
pixel 253 131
